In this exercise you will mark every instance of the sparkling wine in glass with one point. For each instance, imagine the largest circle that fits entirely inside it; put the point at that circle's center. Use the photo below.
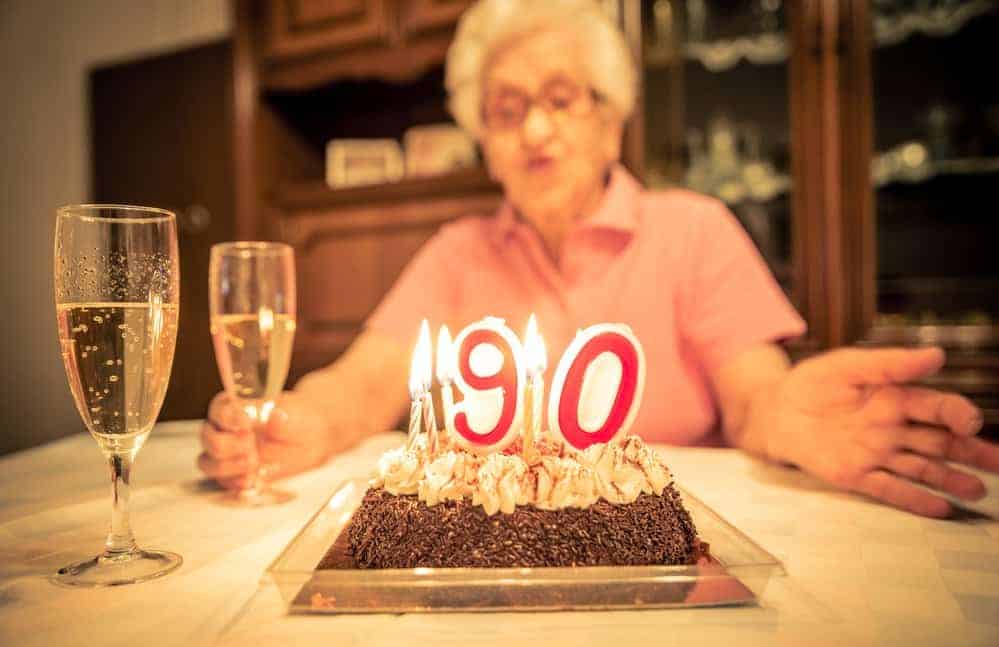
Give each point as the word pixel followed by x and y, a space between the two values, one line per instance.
pixel 252 288
pixel 117 279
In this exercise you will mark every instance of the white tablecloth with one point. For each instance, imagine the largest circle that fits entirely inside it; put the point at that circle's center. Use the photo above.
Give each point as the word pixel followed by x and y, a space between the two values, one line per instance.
pixel 857 573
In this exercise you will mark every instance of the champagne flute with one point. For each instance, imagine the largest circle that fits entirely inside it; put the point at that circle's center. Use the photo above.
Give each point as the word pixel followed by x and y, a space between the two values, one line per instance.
pixel 117 285
pixel 252 288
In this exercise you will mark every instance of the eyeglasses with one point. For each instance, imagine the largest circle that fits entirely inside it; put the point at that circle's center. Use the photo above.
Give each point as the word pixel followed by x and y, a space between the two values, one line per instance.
pixel 507 108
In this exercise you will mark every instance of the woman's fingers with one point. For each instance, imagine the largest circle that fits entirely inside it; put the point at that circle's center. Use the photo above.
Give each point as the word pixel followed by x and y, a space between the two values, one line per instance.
pixel 237 482
pixel 949 410
pixel 225 414
pixel 225 444
pixel 977 453
pixel 937 475
pixel 940 443
pixel 900 493
pixel 876 366
pixel 225 468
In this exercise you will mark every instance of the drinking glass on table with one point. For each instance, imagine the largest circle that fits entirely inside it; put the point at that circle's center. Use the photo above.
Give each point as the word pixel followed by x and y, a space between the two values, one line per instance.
pixel 252 288
pixel 117 285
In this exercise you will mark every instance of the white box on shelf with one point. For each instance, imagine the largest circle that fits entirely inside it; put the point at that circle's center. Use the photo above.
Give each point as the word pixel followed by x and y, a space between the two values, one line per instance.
pixel 437 149
pixel 360 162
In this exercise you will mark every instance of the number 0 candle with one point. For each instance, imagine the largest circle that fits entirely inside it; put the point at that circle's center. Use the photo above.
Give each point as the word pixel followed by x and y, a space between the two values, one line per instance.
pixel 597 387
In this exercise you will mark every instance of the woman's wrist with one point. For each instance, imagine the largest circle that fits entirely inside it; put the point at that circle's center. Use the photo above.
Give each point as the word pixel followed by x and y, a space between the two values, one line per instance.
pixel 313 388
pixel 334 404
pixel 762 430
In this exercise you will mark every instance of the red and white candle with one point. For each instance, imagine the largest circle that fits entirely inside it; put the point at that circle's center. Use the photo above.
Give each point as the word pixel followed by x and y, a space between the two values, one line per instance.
pixel 489 374
pixel 597 387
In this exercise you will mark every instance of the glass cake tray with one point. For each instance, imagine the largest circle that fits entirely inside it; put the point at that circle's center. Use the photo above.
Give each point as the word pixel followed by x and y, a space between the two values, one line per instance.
pixel 738 573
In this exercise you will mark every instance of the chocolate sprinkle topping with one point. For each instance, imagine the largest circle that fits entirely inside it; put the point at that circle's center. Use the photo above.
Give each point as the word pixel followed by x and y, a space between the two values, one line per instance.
pixel 389 531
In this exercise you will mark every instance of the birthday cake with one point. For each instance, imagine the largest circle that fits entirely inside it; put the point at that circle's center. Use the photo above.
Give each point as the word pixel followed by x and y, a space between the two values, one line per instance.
pixel 536 499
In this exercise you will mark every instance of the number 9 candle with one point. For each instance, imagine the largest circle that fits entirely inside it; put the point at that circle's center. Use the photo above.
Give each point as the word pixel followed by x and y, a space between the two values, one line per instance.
pixel 489 374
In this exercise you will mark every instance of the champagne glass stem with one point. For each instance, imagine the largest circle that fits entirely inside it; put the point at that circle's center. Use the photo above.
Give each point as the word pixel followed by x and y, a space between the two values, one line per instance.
pixel 120 540
pixel 259 414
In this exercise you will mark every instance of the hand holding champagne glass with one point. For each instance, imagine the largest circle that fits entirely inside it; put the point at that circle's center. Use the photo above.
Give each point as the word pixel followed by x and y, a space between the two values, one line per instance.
pixel 117 288
pixel 252 287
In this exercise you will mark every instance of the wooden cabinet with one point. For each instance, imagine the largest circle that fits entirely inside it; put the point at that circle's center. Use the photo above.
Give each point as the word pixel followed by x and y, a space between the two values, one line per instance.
pixel 302 27
pixel 857 143
pixel 304 43
pixel 348 257
pixel 308 71
pixel 425 15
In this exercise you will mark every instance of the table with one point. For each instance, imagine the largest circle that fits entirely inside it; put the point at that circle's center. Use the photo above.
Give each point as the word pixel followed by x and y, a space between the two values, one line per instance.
pixel 858 573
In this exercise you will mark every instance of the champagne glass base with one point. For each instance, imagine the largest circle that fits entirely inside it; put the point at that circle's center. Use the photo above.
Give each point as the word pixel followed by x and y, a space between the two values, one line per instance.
pixel 256 498
pixel 108 569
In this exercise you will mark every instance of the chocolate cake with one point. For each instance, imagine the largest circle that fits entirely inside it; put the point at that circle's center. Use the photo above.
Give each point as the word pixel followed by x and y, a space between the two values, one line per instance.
pixel 609 505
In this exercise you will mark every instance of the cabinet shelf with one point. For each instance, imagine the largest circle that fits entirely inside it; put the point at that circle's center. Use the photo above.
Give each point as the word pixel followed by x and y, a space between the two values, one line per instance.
pixel 935 22
pixel 906 164
pixel 721 55
pixel 757 188
pixel 316 194
pixel 770 48
pixel 910 163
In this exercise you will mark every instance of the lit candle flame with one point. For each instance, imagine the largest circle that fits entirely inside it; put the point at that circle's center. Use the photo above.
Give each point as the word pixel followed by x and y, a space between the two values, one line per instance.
pixel 445 372
pixel 536 356
pixel 266 319
pixel 420 369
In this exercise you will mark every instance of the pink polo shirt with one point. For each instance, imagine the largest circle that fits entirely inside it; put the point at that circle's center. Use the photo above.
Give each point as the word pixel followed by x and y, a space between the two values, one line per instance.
pixel 676 266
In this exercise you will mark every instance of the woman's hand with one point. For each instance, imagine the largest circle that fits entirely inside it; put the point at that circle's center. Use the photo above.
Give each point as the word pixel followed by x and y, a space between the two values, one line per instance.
pixel 295 438
pixel 850 418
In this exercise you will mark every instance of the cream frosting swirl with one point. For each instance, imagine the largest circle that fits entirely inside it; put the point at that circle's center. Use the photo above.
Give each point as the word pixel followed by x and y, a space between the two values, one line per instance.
pixel 559 478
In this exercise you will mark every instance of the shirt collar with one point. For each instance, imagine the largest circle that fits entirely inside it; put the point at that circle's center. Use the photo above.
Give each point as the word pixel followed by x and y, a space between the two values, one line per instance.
pixel 618 208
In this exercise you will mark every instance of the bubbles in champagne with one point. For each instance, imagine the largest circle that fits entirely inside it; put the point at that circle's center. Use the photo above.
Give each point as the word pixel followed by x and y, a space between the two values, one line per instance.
pixel 118 386
pixel 253 353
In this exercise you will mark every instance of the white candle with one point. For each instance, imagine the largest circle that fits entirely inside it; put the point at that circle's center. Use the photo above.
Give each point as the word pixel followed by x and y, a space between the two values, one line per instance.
pixel 536 361
pixel 419 387
pixel 430 422
pixel 445 377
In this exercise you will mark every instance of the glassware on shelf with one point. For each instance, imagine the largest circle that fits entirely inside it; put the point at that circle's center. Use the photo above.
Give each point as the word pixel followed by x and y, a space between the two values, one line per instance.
pixel 912 163
pixel 942 121
pixel 662 20
pixel 768 14
pixel 660 48
pixel 896 22
pixel 765 44
pixel 697 21
pixel 908 162
pixel 893 23
pixel 762 49
pixel 720 169
pixel 117 287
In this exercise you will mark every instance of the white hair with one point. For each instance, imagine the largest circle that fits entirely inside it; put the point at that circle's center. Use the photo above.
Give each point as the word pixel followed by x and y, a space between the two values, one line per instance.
pixel 491 24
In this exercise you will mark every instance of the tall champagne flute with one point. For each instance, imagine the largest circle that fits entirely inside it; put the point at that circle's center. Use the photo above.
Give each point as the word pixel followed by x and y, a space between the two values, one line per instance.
pixel 117 285
pixel 252 288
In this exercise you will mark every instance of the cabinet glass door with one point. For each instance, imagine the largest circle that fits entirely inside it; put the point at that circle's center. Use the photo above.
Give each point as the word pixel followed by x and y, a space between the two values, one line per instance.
pixel 716 111
pixel 936 170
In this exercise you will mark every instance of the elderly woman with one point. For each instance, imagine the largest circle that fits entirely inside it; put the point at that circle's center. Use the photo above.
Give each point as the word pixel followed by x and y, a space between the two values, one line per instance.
pixel 546 88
